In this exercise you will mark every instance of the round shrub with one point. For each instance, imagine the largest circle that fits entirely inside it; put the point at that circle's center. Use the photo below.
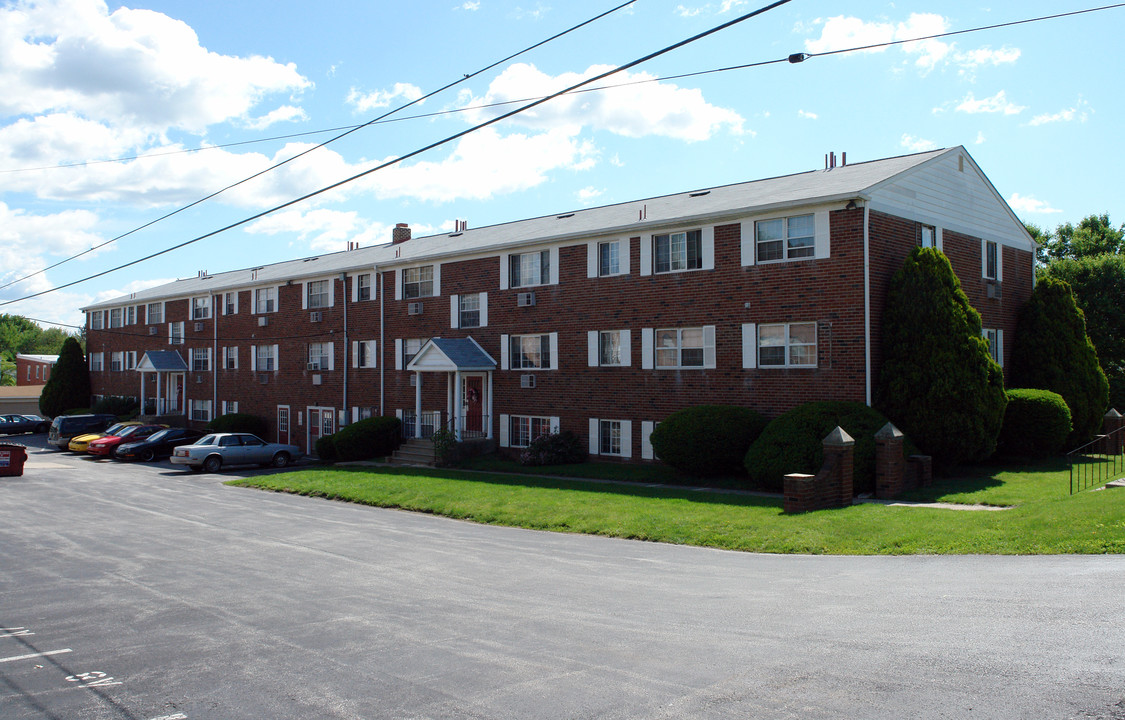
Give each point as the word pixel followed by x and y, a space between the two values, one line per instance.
pixel 563 448
pixel 707 440
pixel 239 423
pixel 1036 423
pixel 326 448
pixel 792 443
pixel 366 439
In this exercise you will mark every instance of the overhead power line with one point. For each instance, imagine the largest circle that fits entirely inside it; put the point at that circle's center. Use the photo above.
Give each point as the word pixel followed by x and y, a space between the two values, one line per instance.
pixel 347 132
pixel 419 151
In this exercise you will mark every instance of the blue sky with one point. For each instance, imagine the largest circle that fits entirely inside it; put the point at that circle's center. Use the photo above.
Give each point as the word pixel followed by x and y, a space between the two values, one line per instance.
pixel 1038 105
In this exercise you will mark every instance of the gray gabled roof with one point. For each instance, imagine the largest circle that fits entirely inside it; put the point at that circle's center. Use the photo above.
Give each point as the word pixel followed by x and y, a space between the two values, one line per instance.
pixel 162 361
pixel 449 354
pixel 691 207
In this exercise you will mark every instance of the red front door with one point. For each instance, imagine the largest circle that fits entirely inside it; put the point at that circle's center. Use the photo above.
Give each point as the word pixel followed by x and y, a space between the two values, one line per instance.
pixel 283 424
pixel 474 409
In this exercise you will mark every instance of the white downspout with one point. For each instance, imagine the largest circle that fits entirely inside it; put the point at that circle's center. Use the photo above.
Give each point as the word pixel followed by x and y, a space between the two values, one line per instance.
pixel 867 301
pixel 347 345
pixel 382 344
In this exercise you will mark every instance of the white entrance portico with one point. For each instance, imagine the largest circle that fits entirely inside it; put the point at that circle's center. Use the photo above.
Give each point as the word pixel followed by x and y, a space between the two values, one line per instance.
pixel 170 370
pixel 468 370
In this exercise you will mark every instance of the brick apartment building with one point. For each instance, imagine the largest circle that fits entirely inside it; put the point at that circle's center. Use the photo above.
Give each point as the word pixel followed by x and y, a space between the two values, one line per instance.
pixel 34 369
pixel 601 321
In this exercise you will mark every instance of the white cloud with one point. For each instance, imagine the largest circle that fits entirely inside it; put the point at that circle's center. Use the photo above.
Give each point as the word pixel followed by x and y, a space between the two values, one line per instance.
pixel 917 144
pixel 670 111
pixel 362 102
pixel 589 193
pixel 471 5
pixel 689 12
pixel 1029 204
pixel 998 103
pixel 1080 111
pixel 322 230
pixel 808 115
pixel 980 139
pixel 285 113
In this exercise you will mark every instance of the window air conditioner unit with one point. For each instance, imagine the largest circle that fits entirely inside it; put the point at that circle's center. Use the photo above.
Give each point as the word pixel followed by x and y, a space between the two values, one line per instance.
pixel 414 308
pixel 263 321
pixel 316 316
pixel 152 330
pixel 526 299
pixel 316 379
pixel 993 290
pixel 263 378
pixel 527 381
pixel 199 327
pixel 313 366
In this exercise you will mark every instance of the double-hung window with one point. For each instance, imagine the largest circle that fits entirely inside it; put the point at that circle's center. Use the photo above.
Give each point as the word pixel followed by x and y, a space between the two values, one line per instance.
pixel 928 238
pixel 200 359
pixel 787 345
pixel 469 310
pixel 131 360
pixel 230 407
pixel 201 410
pixel 679 347
pixel 97 361
pixel 96 320
pixel 418 282
pixel 201 308
pixel 155 313
pixel 319 356
pixel 115 318
pixel 131 315
pixel 609 437
pixel 995 340
pixel 991 261
pixel 230 303
pixel 176 333
pixel 528 269
pixel 609 258
pixel 524 429
pixel 266 359
pixel 363 287
pixel 317 294
pixel 117 361
pixel 610 348
pixel 230 358
pixel 530 352
pixel 265 300
pixel 678 251
pixel 363 354
pixel 788 238
pixel 410 348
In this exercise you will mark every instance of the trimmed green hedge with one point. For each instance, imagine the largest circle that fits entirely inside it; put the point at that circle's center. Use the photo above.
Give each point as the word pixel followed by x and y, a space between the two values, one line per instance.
pixel 707 440
pixel 239 422
pixel 1036 423
pixel 363 440
pixel 793 443
pixel 326 449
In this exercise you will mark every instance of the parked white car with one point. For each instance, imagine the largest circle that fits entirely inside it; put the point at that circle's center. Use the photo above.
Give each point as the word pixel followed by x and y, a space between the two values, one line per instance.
pixel 218 450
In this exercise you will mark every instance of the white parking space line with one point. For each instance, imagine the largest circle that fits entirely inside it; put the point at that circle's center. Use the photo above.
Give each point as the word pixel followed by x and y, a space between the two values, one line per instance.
pixel 34 655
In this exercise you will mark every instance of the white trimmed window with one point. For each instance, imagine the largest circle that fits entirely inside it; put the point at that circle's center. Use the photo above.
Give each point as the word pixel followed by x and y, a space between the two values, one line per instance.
pixel 469 310
pixel 265 300
pixel 609 258
pixel 318 294
pixel 363 287
pixel 531 352
pixel 991 267
pixel 783 345
pixel 201 308
pixel 320 356
pixel 928 237
pixel 96 320
pixel 675 252
pixel 363 354
pixel 523 429
pixel 176 333
pixel 200 359
pixel 230 303
pixel 230 407
pixel 97 361
pixel 788 238
pixel 679 348
pixel 995 340
pixel 131 315
pixel 115 318
pixel 418 282
pixel 529 269
pixel 362 413
pixel 117 361
pixel 613 438
pixel 230 358
pixel 201 410
pixel 265 358
pixel 131 360
pixel 410 348
pixel 155 313
pixel 609 348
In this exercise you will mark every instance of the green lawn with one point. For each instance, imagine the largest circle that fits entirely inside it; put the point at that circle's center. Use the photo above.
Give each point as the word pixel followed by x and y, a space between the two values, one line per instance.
pixel 1045 518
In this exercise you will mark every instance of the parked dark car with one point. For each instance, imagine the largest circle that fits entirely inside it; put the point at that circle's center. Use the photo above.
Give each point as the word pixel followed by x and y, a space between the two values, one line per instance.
pixel 65 427
pixel 12 424
pixel 158 445
pixel 104 447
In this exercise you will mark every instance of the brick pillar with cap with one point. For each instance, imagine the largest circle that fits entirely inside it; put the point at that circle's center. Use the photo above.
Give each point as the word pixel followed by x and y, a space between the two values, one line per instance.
pixel 1112 425
pixel 890 465
pixel 841 446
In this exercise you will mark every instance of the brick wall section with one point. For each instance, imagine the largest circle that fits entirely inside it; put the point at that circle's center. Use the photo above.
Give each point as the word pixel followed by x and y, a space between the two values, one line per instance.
pixel 40 372
pixel 832 486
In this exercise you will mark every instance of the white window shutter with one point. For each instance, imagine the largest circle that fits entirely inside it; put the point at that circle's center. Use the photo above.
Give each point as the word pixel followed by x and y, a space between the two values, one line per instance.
pixel 398 353
pixel 276 358
pixel 625 243
pixel 626 349
pixel 504 352
pixel 627 438
pixel 504 271
pixel 355 354
pixel 398 283
pixel 592 348
pixel 709 346
pixel 999 262
pixel 938 239
pixel 331 356
pixel 1000 346
pixel 554 266
pixel 647 350
pixel 646 255
pixel 594 436
pixel 554 351
pixel 484 309
pixel 554 424
pixel 304 296
pixel 437 279
pixel 983 258
pixel 355 294
pixel 592 259
pixel 749 346
pixel 253 358
pixel 504 423
pixel 355 414
pixel 332 292
pixel 646 440
pixel 822 240
pixel 708 243
pixel 454 311
pixel 746 245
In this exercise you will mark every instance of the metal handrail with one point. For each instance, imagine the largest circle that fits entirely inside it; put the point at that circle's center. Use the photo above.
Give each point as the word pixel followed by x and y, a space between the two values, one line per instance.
pixel 1092 466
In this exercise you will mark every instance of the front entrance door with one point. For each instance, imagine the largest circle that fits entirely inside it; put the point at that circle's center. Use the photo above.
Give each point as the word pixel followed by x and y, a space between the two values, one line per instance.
pixel 283 424
pixel 175 387
pixel 473 404
pixel 322 421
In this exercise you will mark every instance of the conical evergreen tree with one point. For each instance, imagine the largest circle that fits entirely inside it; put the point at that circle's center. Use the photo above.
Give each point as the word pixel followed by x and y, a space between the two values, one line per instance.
pixel 69 386
pixel 1053 352
pixel 938 384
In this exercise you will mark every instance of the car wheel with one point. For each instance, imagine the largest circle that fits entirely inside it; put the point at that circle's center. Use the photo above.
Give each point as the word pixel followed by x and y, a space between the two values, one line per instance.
pixel 281 460
pixel 213 464
pixel 148 456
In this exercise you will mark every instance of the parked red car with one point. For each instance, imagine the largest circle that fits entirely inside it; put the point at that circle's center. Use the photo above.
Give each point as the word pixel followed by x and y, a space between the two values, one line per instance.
pixel 104 447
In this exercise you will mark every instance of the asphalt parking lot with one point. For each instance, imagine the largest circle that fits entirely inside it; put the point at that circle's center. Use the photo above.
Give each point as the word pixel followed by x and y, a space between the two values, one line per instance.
pixel 143 592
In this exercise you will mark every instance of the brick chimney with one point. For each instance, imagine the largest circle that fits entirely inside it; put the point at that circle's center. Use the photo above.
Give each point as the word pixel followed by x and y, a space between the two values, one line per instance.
pixel 400 234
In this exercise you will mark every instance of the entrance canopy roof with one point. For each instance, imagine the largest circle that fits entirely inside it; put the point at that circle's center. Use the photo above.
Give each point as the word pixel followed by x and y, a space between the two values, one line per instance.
pixel 162 361
pixel 450 355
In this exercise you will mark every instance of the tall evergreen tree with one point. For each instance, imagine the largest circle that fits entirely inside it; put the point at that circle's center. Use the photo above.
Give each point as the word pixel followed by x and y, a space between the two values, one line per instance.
pixel 938 384
pixel 69 386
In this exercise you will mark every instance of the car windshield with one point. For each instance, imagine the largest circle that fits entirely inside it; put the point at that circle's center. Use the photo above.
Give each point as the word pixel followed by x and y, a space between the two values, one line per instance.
pixel 127 431
pixel 33 417
pixel 162 434
pixel 112 429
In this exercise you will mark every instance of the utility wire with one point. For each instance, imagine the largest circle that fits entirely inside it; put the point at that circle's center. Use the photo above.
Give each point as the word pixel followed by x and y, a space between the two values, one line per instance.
pixel 469 108
pixel 455 136
pixel 326 142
